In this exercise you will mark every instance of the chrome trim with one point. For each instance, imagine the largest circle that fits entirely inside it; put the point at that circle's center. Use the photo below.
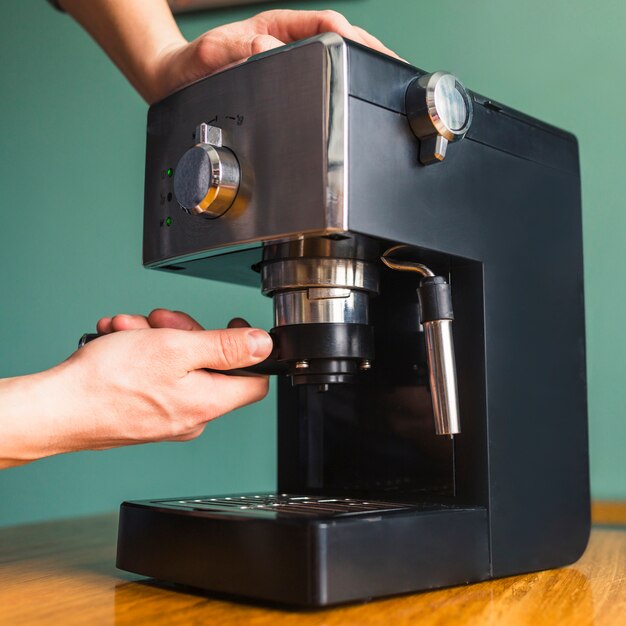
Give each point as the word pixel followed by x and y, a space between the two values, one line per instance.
pixel 224 184
pixel 352 246
pixel 429 83
pixel 319 272
pixel 336 119
pixel 224 177
pixel 433 110
pixel 305 306
pixel 336 131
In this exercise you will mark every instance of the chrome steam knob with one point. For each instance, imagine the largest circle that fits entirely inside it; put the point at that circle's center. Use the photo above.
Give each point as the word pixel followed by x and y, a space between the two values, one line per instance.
pixel 439 110
pixel 206 179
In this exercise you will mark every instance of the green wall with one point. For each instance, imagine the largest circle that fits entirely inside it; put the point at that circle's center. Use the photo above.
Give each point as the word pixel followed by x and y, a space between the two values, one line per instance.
pixel 72 141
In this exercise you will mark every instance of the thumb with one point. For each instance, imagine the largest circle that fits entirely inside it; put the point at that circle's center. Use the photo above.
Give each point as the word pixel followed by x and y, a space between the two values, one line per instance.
pixel 224 349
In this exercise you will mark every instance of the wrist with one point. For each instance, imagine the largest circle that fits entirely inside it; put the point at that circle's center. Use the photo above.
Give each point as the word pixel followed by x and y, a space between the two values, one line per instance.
pixel 133 33
pixel 164 71
pixel 31 427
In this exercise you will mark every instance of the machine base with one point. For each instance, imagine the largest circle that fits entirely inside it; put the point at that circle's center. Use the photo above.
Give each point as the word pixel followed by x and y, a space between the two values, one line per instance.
pixel 307 551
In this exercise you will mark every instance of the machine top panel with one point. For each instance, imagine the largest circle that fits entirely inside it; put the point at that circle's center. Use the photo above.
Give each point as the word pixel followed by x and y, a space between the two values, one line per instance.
pixel 281 123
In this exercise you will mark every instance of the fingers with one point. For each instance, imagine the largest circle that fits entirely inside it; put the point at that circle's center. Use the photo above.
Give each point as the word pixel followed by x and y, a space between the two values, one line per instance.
pixel 219 349
pixel 230 44
pixel 218 49
pixel 159 318
pixel 238 322
pixel 164 318
pixel 235 347
pixel 103 327
pixel 108 325
pixel 226 45
pixel 288 26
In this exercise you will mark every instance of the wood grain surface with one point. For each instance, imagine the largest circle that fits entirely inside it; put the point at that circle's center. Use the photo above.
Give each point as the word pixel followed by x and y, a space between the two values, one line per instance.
pixel 64 573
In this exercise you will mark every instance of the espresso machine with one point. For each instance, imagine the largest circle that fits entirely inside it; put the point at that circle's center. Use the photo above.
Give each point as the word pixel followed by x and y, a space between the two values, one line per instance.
pixel 422 245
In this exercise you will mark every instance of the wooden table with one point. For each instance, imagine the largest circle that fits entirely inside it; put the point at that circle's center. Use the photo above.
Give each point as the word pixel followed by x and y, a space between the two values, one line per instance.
pixel 63 573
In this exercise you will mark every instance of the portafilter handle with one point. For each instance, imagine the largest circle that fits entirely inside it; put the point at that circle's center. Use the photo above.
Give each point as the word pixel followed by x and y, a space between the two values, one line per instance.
pixel 268 367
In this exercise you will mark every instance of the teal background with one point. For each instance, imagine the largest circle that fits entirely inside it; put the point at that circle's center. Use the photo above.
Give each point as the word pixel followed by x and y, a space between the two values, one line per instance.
pixel 71 177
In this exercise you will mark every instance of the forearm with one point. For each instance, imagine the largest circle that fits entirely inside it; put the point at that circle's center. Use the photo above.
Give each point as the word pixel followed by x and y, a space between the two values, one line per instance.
pixel 136 34
pixel 30 427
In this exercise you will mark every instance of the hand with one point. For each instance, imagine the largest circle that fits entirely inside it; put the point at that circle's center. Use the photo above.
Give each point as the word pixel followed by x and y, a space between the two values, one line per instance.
pixel 159 318
pixel 143 40
pixel 141 385
pixel 184 396
pixel 182 63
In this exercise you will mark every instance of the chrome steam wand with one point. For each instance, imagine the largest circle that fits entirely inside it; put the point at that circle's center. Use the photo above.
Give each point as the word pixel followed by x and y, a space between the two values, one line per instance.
pixel 436 317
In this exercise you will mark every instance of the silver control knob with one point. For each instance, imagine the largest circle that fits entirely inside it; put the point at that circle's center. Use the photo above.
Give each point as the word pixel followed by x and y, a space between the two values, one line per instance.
pixel 439 110
pixel 206 179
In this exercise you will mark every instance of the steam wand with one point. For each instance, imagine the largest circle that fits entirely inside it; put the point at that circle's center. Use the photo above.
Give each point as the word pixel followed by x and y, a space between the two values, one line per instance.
pixel 436 317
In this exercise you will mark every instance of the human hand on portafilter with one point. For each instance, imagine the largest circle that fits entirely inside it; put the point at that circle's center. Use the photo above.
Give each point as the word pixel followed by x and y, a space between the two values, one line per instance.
pixel 143 40
pixel 142 381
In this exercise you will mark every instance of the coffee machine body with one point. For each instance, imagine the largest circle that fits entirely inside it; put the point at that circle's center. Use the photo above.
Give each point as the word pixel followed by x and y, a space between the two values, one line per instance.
pixel 370 501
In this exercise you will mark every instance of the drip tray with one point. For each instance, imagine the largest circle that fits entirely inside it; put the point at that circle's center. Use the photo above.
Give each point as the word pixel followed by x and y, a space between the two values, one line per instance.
pixel 279 505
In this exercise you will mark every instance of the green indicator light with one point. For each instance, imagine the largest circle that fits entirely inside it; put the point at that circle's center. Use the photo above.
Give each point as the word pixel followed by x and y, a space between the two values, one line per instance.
pixel 168 221
pixel 170 171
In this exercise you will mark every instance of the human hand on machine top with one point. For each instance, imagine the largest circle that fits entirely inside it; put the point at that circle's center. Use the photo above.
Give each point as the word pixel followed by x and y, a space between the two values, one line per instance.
pixel 144 41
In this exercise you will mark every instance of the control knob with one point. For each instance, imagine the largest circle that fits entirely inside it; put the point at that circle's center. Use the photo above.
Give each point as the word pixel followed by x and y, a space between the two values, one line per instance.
pixel 439 110
pixel 206 179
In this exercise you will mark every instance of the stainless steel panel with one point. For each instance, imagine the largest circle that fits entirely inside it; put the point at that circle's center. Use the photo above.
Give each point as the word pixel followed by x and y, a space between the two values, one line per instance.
pixel 284 117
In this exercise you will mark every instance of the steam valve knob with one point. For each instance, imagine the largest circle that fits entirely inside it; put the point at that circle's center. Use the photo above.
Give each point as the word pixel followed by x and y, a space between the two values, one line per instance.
pixel 206 179
pixel 439 110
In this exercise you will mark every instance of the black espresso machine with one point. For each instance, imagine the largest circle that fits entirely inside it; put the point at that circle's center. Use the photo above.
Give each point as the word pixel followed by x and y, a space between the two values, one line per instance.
pixel 422 245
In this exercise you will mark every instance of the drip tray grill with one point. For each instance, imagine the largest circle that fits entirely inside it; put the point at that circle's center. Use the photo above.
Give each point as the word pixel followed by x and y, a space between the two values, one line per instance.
pixel 286 505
